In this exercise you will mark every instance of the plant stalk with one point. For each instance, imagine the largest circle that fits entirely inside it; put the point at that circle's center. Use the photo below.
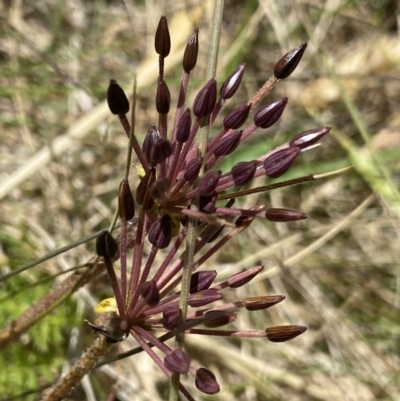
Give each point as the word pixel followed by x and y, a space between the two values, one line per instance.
pixel 192 225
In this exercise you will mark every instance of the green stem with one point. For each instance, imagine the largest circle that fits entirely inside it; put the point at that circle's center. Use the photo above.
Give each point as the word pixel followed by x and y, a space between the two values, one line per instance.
pixel 192 225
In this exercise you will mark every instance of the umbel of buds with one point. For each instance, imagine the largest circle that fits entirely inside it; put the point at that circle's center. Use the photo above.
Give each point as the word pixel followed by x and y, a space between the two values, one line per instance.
pixel 177 184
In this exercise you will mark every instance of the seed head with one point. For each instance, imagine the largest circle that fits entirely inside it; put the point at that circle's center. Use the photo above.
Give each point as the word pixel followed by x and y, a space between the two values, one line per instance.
pixel 232 83
pixel 280 161
pixel 191 52
pixel 117 101
pixel 204 103
pixel 162 42
pixel 288 63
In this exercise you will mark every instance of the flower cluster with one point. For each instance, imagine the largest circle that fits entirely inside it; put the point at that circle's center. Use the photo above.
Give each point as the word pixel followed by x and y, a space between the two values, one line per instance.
pixel 180 182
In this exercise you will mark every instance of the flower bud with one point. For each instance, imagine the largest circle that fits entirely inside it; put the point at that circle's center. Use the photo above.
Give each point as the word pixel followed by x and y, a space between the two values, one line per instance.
pixel 117 101
pixel 242 278
pixel 160 233
pixel 193 169
pixel 150 293
pixel 307 138
pixel 281 334
pixel 203 298
pixel 280 161
pixel 207 203
pixel 209 183
pixel 191 52
pixel 177 361
pixel 206 382
pixel 270 114
pixel 236 118
pixel 149 140
pixel 231 84
pixel 183 128
pixel 162 42
pixel 205 100
pixel 212 233
pixel 201 280
pixel 260 303
pixel 172 317
pixel 221 319
pixel 243 172
pixel 288 63
pixel 226 145
pixel 243 221
pixel 163 97
pixel 279 214
pixel 162 149
pixel 106 245
pixel 126 204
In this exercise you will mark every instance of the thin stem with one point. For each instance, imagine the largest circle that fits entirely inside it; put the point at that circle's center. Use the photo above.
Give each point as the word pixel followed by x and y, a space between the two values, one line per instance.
pixel 131 131
pixel 51 255
pixel 123 258
pixel 192 225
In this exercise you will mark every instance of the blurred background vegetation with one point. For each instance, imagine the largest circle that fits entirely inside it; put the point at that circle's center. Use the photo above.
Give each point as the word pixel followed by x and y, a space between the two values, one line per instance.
pixel 63 155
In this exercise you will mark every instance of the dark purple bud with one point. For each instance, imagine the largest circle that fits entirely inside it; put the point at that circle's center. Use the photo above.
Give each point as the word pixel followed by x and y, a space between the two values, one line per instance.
pixel 145 183
pixel 149 140
pixel 106 245
pixel 160 233
pixel 203 298
pixel 177 361
pixel 243 172
pixel 260 303
pixel 205 100
pixel 231 84
pixel 162 42
pixel 150 293
pixel 212 233
pixel 206 382
pixel 191 52
pixel 201 280
pixel 221 319
pixel 280 334
pixel 307 138
pixel 243 221
pixel 279 214
pixel 163 97
pixel 209 182
pixel 226 145
pixel 242 278
pixel 288 63
pixel 172 317
pixel 193 169
pixel 183 129
pixel 280 161
pixel 117 101
pixel 162 149
pixel 237 117
pixel 270 114
pixel 126 204
pixel 207 203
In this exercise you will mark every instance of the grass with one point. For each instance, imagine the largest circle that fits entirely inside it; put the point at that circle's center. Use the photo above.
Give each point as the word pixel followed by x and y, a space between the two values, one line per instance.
pixel 63 155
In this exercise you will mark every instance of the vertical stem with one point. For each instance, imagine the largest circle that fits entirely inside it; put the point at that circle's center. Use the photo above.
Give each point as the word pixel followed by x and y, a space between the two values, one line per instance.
pixel 192 225
pixel 215 38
